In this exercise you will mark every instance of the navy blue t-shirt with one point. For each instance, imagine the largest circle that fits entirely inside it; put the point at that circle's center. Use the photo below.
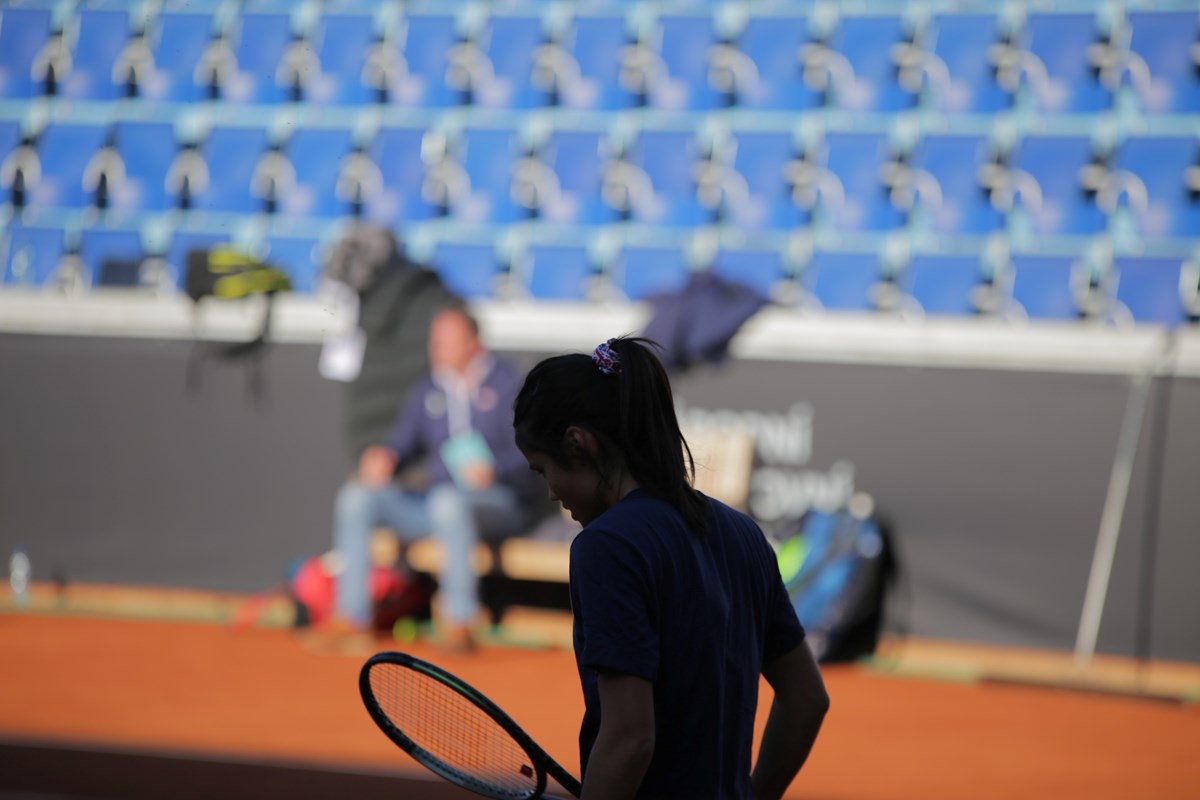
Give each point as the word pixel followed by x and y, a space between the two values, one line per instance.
pixel 695 615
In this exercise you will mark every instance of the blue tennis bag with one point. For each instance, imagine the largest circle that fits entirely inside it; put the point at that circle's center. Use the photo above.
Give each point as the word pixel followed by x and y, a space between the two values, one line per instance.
pixel 837 567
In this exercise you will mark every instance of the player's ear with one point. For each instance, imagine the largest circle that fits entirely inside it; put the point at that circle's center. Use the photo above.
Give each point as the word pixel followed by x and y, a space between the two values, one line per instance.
pixel 581 443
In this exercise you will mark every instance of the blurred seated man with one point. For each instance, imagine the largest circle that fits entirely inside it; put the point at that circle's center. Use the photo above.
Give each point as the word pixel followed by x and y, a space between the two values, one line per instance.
pixel 459 419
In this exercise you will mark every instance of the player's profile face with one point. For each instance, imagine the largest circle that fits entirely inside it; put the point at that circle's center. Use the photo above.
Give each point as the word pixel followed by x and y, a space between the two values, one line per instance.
pixel 577 487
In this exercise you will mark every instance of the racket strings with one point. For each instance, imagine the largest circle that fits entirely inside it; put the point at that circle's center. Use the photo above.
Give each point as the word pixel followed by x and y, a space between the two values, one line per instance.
pixel 452 730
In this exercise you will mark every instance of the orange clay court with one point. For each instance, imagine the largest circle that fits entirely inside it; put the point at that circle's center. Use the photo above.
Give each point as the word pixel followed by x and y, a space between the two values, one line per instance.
pixel 205 693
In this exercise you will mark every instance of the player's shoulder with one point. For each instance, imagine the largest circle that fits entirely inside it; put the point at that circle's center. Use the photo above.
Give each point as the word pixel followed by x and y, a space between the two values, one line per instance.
pixel 721 513
pixel 634 519
pixel 643 509
pixel 738 529
pixel 642 512
pixel 634 509
pixel 604 544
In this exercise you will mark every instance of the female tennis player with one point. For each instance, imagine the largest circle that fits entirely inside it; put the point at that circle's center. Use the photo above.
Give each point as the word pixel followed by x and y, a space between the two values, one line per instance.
pixel 678 601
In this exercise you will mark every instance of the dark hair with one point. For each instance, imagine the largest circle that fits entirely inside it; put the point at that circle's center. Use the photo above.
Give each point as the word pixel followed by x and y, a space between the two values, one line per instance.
pixel 630 411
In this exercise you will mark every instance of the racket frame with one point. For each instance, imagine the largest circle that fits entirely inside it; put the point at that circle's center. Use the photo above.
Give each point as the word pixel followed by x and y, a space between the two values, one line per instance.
pixel 543 764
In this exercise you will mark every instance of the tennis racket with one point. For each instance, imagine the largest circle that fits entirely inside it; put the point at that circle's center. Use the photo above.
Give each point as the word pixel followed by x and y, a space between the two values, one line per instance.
pixel 454 731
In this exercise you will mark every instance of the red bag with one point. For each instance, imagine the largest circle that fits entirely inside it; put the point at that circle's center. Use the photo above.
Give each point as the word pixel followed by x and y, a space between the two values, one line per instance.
pixel 395 595
pixel 310 587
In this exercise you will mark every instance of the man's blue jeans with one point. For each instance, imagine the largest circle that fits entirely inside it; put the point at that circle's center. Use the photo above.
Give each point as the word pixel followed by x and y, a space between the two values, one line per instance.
pixel 458 518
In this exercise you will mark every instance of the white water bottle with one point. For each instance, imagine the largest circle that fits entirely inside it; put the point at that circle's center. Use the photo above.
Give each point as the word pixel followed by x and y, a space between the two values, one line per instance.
pixel 18 577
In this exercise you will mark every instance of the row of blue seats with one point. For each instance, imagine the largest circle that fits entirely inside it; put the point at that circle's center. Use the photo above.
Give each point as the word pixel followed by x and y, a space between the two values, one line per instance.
pixel 949 183
pixel 955 61
pixel 1136 288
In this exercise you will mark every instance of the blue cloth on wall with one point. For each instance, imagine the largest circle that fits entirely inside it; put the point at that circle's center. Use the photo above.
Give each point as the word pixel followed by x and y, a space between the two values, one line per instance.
pixel 697 324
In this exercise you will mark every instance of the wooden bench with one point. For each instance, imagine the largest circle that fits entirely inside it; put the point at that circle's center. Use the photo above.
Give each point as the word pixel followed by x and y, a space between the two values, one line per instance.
pixel 519 559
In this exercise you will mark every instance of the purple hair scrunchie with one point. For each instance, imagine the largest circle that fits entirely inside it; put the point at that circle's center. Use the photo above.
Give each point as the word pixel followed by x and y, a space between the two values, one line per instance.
pixel 606 359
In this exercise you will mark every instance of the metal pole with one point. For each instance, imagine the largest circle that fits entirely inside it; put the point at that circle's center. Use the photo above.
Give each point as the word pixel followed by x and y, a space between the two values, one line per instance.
pixel 1114 510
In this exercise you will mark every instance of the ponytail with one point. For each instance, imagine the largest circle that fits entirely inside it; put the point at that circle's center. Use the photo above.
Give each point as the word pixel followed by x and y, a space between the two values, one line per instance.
pixel 622 395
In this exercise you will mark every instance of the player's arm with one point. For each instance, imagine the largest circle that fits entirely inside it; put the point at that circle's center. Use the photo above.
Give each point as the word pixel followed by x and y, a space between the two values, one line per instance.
pixel 625 742
pixel 795 719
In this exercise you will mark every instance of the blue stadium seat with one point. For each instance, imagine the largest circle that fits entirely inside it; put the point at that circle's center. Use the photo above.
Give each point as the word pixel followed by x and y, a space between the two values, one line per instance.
pixel 511 42
pixel 1062 43
pixel 341 42
pixel 23 32
pixel 867 43
pixel 857 160
pixel 261 41
pixel 301 257
pixel 350 6
pixel 1055 163
pixel 684 47
pixel 1169 205
pixel 269 6
pixel 596 43
pixel 180 39
pixel 643 271
pixel 760 270
pixel 316 154
pixel 762 159
pixel 231 155
pixel 668 159
pixel 843 281
pixel 10 140
pixel 102 37
pixel 396 152
pixel 65 151
pixel 489 156
pixel 1043 287
pixel 963 44
pixel 10 137
pixel 428 39
pixel 1165 42
pixel 557 272
pixel 468 270
pixel 147 150
pixel 954 161
pixel 111 257
pixel 30 254
pixel 943 284
pixel 1150 288
pixel 577 158
pixel 197 6
pixel 773 44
